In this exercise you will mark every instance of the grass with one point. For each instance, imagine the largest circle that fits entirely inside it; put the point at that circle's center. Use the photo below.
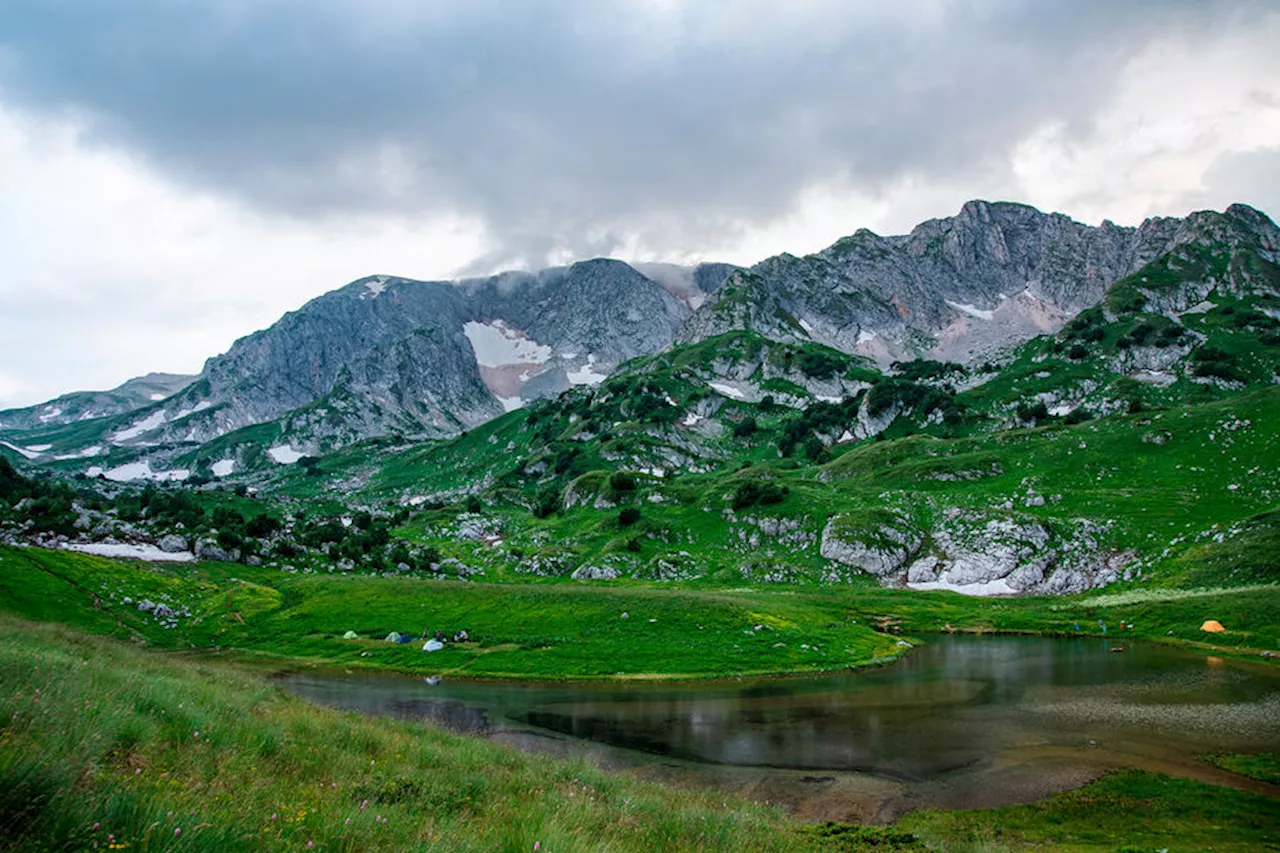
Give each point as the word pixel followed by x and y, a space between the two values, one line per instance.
pixel 560 629
pixel 1264 766
pixel 106 747
pixel 1127 811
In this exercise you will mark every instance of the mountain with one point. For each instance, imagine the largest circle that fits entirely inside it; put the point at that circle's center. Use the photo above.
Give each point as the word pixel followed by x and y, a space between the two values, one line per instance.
pixel 1133 443
pixel 418 360
pixel 86 405
pixel 962 288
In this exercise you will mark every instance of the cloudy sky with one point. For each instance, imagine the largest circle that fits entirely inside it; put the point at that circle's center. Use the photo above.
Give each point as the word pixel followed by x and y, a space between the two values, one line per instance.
pixel 177 173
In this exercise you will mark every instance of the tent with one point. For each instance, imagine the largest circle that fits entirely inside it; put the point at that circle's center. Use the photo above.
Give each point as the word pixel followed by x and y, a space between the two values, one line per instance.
pixel 433 646
pixel 393 637
pixel 350 635
pixel 403 638
pixel 1213 626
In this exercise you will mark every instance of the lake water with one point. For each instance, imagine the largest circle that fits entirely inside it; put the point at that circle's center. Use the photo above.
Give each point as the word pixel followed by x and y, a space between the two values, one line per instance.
pixel 961 722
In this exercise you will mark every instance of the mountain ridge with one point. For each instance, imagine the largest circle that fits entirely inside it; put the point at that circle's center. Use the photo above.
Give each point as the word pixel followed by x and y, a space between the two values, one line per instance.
pixel 391 356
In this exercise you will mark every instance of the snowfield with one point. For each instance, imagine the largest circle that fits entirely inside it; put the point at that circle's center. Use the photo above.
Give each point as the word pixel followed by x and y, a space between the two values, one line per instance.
pixel 150 422
pixel 141 470
pixel 727 390
pixel 137 552
pixel 497 345
pixel 586 375
pixel 285 454
pixel 996 587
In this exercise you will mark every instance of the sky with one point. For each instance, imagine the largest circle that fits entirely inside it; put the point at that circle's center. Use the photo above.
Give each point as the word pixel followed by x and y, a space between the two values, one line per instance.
pixel 175 174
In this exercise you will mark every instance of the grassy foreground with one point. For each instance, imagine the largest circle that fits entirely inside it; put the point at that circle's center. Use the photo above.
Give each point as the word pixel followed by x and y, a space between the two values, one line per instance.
pixel 163 754
pixel 104 746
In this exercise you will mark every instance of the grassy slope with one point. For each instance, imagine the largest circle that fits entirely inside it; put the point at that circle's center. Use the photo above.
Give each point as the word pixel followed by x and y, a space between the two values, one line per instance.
pixel 1166 483
pixel 576 630
pixel 172 755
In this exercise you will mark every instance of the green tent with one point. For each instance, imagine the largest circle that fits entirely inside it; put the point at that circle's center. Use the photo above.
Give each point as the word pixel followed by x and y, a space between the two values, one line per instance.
pixel 393 637
pixel 350 635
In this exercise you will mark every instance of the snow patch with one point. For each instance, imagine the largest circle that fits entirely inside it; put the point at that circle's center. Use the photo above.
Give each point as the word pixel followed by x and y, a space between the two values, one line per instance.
pixel 827 398
pixel 156 398
pixel 39 448
pixel 510 404
pixel 727 390
pixel 87 453
pixel 807 326
pixel 692 419
pixel 865 337
pixel 150 422
pixel 137 552
pixel 141 470
pixel 223 467
pixel 285 454
pixel 93 471
pixel 496 345
pixel 29 454
pixel 198 407
pixel 50 412
pixel 971 310
pixel 999 586
pixel 586 375
pixel 374 286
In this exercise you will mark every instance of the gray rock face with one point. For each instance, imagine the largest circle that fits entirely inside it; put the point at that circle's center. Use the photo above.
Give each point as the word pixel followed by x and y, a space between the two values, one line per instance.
pixel 959 288
pixel 978 554
pixel 387 356
pixel 882 549
pixel 83 405
pixel 595 573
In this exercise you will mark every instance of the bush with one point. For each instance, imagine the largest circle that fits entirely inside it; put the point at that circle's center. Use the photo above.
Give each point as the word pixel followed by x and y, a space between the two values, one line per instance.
pixel 1028 412
pixel 1213 362
pixel 629 516
pixel 751 492
pixel 621 481
pixel 1078 415
pixel 745 428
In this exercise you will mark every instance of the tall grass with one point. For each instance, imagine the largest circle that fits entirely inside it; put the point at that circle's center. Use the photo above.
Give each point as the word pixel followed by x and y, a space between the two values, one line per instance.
pixel 105 747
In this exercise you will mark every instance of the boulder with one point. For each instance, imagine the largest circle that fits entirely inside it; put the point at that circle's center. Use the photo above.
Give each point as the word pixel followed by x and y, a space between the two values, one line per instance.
pixel 208 549
pixel 880 544
pixel 172 543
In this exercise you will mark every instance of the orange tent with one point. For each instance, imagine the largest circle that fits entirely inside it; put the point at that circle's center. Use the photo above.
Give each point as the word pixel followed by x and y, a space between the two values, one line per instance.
pixel 1213 626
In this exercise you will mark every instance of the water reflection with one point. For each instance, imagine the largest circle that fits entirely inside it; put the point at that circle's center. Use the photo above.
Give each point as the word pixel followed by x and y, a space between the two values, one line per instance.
pixel 956 705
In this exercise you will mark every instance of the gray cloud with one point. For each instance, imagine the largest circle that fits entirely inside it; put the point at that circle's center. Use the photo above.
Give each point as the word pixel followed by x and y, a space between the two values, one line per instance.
pixel 569 124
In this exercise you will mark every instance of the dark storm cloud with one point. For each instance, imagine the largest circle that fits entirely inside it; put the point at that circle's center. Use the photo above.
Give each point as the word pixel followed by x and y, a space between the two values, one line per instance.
pixel 564 124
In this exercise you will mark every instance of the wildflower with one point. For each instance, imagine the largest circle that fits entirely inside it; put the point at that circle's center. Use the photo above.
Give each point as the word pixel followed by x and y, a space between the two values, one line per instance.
pixel 310 844
pixel 537 845
pixel 177 831
pixel 95 827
